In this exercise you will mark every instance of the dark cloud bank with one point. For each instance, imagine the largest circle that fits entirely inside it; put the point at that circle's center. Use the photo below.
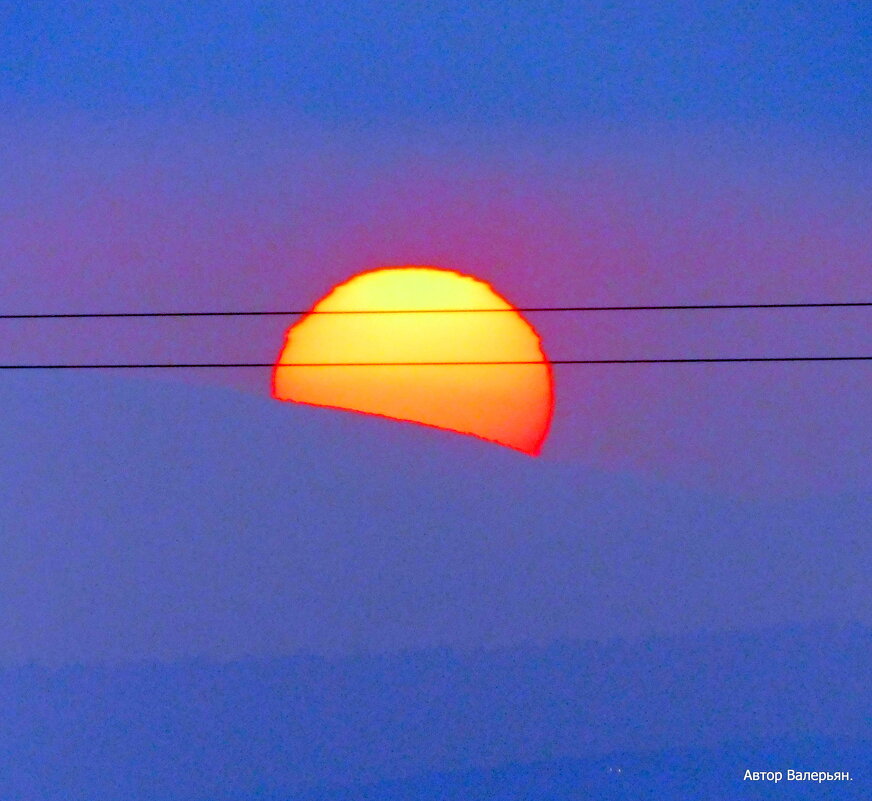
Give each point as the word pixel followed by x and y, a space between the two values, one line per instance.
pixel 207 595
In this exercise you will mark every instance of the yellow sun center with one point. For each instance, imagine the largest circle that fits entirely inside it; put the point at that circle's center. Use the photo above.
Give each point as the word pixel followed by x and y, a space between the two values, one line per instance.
pixel 435 344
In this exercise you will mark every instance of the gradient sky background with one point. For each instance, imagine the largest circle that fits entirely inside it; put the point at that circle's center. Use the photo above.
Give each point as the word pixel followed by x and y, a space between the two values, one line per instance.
pixel 209 156
pixel 251 155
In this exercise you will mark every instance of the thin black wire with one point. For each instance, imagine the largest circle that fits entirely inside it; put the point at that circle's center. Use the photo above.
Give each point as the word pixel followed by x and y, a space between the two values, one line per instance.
pixel 223 365
pixel 532 309
pixel 218 365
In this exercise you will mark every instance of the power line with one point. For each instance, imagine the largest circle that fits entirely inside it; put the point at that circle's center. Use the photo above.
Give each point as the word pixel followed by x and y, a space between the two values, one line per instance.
pixel 530 309
pixel 226 365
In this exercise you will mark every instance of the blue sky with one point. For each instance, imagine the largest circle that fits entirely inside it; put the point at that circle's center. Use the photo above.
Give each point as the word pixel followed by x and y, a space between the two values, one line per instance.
pixel 783 63
pixel 242 155
pixel 163 156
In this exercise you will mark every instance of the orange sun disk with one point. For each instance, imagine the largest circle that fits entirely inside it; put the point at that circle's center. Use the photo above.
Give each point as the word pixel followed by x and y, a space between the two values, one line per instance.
pixel 510 404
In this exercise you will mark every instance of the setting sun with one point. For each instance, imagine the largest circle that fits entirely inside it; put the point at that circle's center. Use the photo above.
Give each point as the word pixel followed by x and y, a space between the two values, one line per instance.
pixel 432 356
